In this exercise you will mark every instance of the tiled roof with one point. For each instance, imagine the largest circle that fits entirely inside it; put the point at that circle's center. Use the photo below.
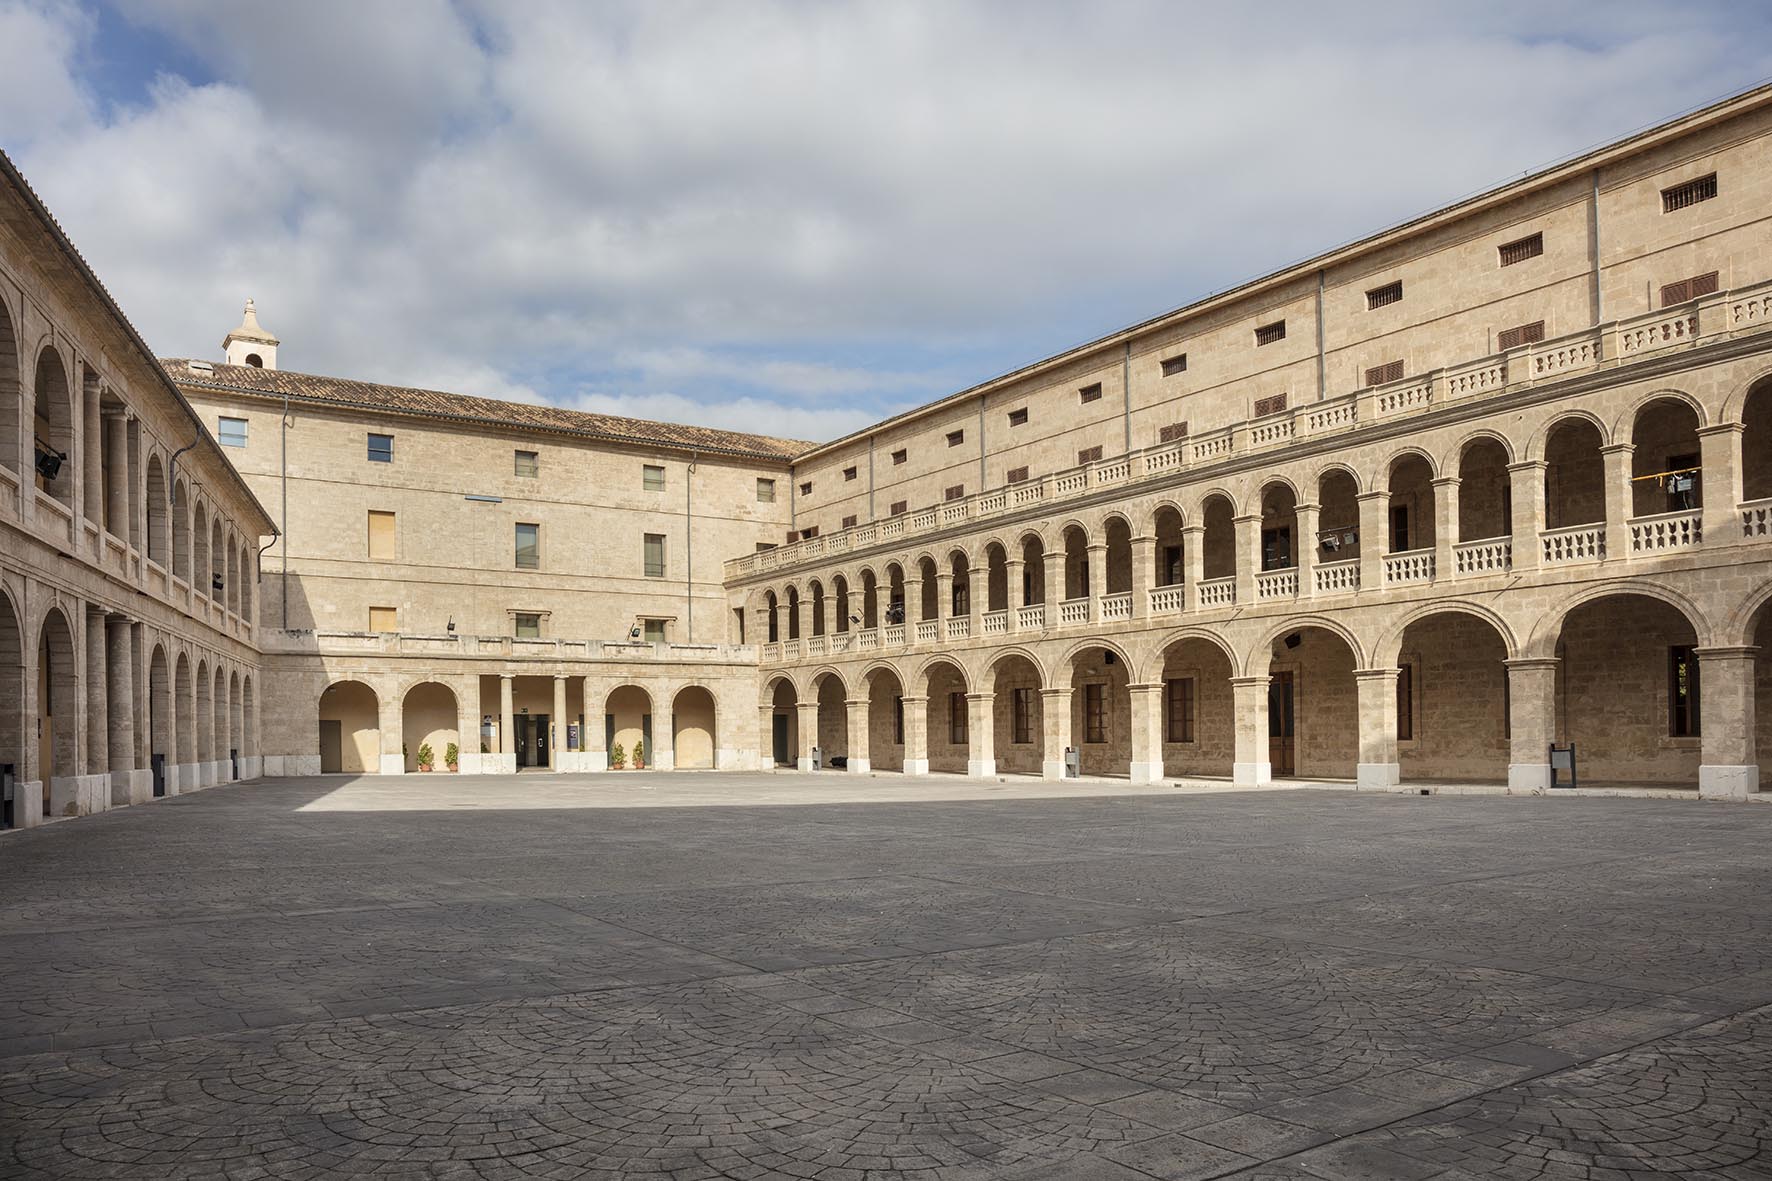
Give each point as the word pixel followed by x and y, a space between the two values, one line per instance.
pixel 363 395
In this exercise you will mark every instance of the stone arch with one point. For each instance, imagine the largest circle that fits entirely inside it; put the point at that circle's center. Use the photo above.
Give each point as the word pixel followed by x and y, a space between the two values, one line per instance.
pixel 52 421
pixel 159 514
pixel 781 700
pixel 1542 641
pixel 883 686
pixel 200 560
pixel 1574 472
pixel 12 452
pixel 931 663
pixel 58 711
pixel 627 722
pixel 827 670
pixel 162 742
pixel 13 727
pixel 1384 652
pixel 1454 455
pixel 1625 424
pixel 1271 479
pixel 1754 412
pixel 1218 540
pixel 998 655
pixel 1401 455
pixel 773 684
pixel 1451 698
pixel 248 718
pixel 218 752
pixel 1121 652
pixel 180 508
pixel 1174 636
pixel 206 714
pixel 1540 438
pixel 694 729
pixel 236 721
pixel 1100 705
pixel 218 561
pixel 1334 467
pixel 1734 407
pixel 184 726
pixel 1198 723
pixel 1255 661
pixel 429 716
pixel 944 682
pixel 349 714
pixel 1016 680
pixel 1664 439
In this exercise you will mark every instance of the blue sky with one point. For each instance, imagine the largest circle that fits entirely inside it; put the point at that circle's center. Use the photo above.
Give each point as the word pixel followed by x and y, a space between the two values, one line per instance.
pixel 780 215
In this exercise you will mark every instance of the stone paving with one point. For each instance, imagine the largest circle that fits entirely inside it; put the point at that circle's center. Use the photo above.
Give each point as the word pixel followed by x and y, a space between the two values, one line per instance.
pixel 724 976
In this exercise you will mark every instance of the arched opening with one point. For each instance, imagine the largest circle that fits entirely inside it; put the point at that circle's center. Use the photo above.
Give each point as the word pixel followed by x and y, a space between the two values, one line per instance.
pixel 1076 563
pixel 627 723
pixel 960 596
pixel 1313 714
pixel 1411 521
pixel 818 607
pixel 180 508
pixel 11 454
pixel 184 726
pixel 429 716
pixel 1017 717
pixel 248 720
pixel 1199 716
pixel 840 585
pixel 200 568
pixel 1756 443
pixel 773 623
pixel 1171 569
pixel 1452 699
pixel 159 514
pixel 833 721
pixel 1631 708
pixel 350 729
pixel 58 703
pixel 1101 712
pixel 1218 547
pixel 223 707
pixel 52 426
pixel 784 719
pixel 870 601
pixel 895 594
pixel 162 752
pixel 692 729
pixel 206 715
pixel 232 577
pixel 1338 529
pixel 1665 459
pixel 947 717
pixel 236 723
pixel 885 720
pixel 1279 527
pixel 793 612
pixel 1574 475
pixel 996 578
pixel 12 686
pixel 217 583
pixel 1485 500
pixel 1119 556
pixel 1033 570
pixel 248 580
pixel 930 606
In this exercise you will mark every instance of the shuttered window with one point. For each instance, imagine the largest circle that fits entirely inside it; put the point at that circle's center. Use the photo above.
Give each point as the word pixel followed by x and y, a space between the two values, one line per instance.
pixel 900 507
pixel 527 463
pixel 1089 393
pixel 1270 333
pixel 1273 405
pixel 1095 712
pixel 806 488
pixel 381 536
pixel 1174 432
pixel 1521 249
pixel 956 719
pixel 849 521
pixel 1175 364
pixel 1513 338
pixel 849 473
pixel 652 477
pixel 955 438
pixel 1018 417
pixel 231 432
pixel 1389 371
pixel 1089 455
pixel 1688 289
pixel 1690 193
pixel 653 555
pixel 953 492
pixel 899 457
pixel 1017 475
pixel 1022 715
pixel 765 491
pixel 1380 297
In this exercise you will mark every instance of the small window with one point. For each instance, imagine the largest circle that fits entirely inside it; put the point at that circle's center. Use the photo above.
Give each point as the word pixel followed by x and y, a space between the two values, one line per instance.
pixel 528 546
pixel 1682 691
pixel 381 536
pixel 899 456
pixel 765 491
pixel 1513 338
pixel 1180 709
pixel 900 507
pixel 1095 712
pixel 1175 364
pixel 1690 193
pixel 849 473
pixel 383 619
pixel 1273 405
pixel 1380 374
pixel 1173 433
pixel 1090 393
pixel 654 555
pixel 528 464
pixel 1384 296
pixel 810 531
pixel 1519 251
pixel 955 438
pixel 1406 703
pixel 957 719
pixel 1022 714
pixel 806 488
pixel 1270 333
pixel 652 478
pixel 528 624
pixel 381 449
pixel 1089 454
pixel 1018 417
pixel 653 630
pixel 1689 289
pixel 231 431
pixel 849 521
pixel 1017 475
pixel 953 492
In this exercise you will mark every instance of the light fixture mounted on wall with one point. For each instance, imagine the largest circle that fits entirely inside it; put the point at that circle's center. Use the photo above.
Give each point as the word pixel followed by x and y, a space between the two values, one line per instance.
pixel 49 461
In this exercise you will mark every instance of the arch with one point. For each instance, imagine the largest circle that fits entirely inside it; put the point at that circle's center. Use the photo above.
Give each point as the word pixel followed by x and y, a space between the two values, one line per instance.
pixel 824 672
pixel 206 715
pixel 793 605
pixel 180 507
pixel 1756 440
pixel 627 722
pixel 162 746
pixel 1076 523
pixel 13 728
pixel 1454 456
pixel 1015 680
pixel 999 655
pixel 1313 715
pixel 1403 455
pixel 841 603
pixel 184 726
pixel 694 732
pixel 52 421
pixel 248 718
pixel 1255 663
pixel 218 562
pixel 1625 425
pixel 1116 531
pixel 783 736
pixel 232 578
pixel 884 687
pixel 831 696
pixel 1218 542
pixel 996 577
pixel 1174 636
pixel 1169 554
pixel 1575 472
pixel 429 716
pixel 1075 538
pixel 12 452
pixel 1032 548
pixel 218 751
pixel 1384 652
pixel 159 514
pixel 1451 697
pixel 349 714
pixel 200 567
pixel 1338 468
pixel 1535 448
pixel 1485 491
pixel 1199 735
pixel 947 713
pixel 1277 503
pixel 932 664
pixel 1277 480
pixel 773 623
pixel 1078 647
pixel 815 593
pixel 1543 640
pixel 58 706
pixel 1100 706
pixel 1665 454
pixel 873 669
pixel 236 722
pixel 772 686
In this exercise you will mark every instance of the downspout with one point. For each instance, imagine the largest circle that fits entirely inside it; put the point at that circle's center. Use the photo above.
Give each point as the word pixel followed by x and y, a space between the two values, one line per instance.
pixel 1322 361
pixel 1126 392
pixel 283 574
pixel 1593 245
pixel 172 470
pixel 689 549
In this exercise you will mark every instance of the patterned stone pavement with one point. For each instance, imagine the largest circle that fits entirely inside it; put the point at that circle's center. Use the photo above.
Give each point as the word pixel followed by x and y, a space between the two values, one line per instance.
pixel 443 980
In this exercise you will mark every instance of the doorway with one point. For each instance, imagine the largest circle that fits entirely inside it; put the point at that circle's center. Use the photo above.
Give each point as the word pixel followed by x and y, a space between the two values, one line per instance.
pixel 332 744
pixel 781 739
pixel 532 740
pixel 1280 723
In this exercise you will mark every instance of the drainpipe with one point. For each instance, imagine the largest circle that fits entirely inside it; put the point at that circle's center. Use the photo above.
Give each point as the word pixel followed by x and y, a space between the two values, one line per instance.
pixel 689 549
pixel 1322 360
pixel 283 595
pixel 1126 392
pixel 172 470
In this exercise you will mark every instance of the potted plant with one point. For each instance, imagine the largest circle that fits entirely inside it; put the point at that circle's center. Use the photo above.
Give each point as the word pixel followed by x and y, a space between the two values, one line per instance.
pixel 426 756
pixel 618 758
pixel 452 757
pixel 639 756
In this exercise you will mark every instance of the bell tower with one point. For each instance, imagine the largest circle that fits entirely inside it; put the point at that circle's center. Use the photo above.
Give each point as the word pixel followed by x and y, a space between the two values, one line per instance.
pixel 250 344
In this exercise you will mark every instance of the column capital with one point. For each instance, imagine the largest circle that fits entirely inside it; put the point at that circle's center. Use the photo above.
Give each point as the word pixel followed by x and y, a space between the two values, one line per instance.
pixel 1251 682
pixel 1145 687
pixel 1446 481
pixel 1245 518
pixel 1374 494
pixel 1377 674
pixel 1307 506
pixel 1055 692
pixel 507 676
pixel 1192 528
pixel 1526 663
pixel 1528 465
pixel 1722 428
pixel 1727 651
pixel 856 702
pixel 1618 448
pixel 1097 545
pixel 976 697
pixel 918 700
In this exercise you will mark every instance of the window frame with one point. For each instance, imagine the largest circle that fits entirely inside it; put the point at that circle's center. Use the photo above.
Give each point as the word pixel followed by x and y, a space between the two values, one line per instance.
pixel 1174 365
pixel 1385 295
pixel 385 456
pixel 517 545
pixel 1021 719
pixel 517 618
pixel 369 519
pixel 959 732
pixel 1095 721
pixel 222 434
pixel 1180 700
pixel 647 540
pixel 765 490
pixel 518 466
pixel 1521 249
pixel 1683 717
pixel 652 477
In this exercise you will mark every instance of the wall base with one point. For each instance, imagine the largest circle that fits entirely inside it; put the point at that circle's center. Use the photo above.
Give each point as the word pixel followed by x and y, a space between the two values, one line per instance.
pixel 1726 782
pixel 1380 776
pixel 981 768
pixel 858 766
pixel 27 803
pixel 1052 769
pixel 916 766
pixel 1528 776
pixel 131 787
pixel 1252 774
pixel 79 795
pixel 1147 772
pixel 252 766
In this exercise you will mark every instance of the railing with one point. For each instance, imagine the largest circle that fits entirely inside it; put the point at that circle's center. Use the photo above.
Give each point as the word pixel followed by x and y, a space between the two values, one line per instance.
pixel 1665 531
pixel 815 646
pixel 1276 584
pixel 895 635
pixel 1680 327
pixel 1478 378
pixel 1329 416
pixel 1274 431
pixel 1070 483
pixel 995 623
pixel 1756 518
pixel 1031 617
pixel 1401 399
pixel 1579 543
pixel 1218 592
pixel 1118 606
pixel 841 643
pixel 772 651
pixel 869 638
pixel 1073 611
pixel 790 649
pixel 1334 578
pixel 1569 354
pixel 1415 565
pixel 960 627
pixel 1166 600
pixel 928 630
pixel 1488 556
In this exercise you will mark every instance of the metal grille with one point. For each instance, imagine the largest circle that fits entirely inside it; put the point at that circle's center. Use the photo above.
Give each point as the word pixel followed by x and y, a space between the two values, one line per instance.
pixel 1690 193
pixel 1174 365
pixel 1521 250
pixel 1172 432
pixel 955 438
pixel 1380 296
pixel 1271 405
pixel 1018 417
pixel 1090 393
pixel 1269 333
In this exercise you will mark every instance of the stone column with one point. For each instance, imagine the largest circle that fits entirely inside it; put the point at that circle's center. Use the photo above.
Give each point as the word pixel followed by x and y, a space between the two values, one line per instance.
pixel 1729 765
pixel 1721 481
pixel 467 724
pixel 1246 532
pixel 1054 576
pixel 1055 731
pixel 1619 508
pixel 981 735
pixel 978 593
pixel 1304 548
pixel 1144 575
pixel 120 659
pixel 803 613
pixel 1014 573
pixel 1193 560
pixel 1252 767
pixel 916 735
pixel 97 759
pixel 663 755
pixel 857 717
pixel 765 736
pixel 1098 570
pixel 116 428
pixel 944 602
pixel 388 717
pixel 507 726
pixel 144 737
pixel 829 622
pixel 1376 689
pixel 807 717
pixel 1445 525
pixel 913 608
pixel 1147 733
pixel 1526 483
pixel 557 726
pixel 1374 537
pixel 781 621
pixel 1532 720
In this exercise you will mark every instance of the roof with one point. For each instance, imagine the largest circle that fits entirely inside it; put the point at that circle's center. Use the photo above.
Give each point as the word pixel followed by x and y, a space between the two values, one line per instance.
pixel 368 396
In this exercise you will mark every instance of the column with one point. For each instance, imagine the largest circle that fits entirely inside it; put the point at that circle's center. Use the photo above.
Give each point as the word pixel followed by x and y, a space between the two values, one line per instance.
pixel 1720 481
pixel 1526 484
pixel 507 726
pixel 857 716
pixel 807 734
pixel 1246 532
pixel 663 755
pixel 1376 689
pixel 1144 569
pixel 803 611
pixel 944 602
pixel 467 725
pixel 765 737
pixel 1445 525
pixel 781 621
pixel 120 659
pixel 1014 574
pixel 913 608
pixel 1147 733
pixel 1098 566
pixel 1532 720
pixel 1054 576
pixel 916 735
pixel 981 736
pixel 1055 731
pixel 1252 767
pixel 116 428
pixel 557 726
pixel 144 739
pixel 89 494
pixel 388 716
pixel 1374 537
pixel 1193 560
pixel 1305 549
pixel 1728 766
pixel 1619 509
pixel 97 756
pixel 829 623
pixel 978 593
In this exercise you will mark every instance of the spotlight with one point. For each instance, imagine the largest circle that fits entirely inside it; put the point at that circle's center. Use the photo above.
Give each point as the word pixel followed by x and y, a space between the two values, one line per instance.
pixel 1294 640
pixel 451 625
pixel 49 460
pixel 634 632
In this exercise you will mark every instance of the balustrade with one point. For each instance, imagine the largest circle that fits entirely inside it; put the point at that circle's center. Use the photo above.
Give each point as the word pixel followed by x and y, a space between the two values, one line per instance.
pixel 1218 592
pixel 1116 607
pixel 865 640
pixel 1756 518
pixel 1336 577
pixel 815 646
pixel 1073 611
pixel 1166 600
pixel 928 630
pixel 1277 584
pixel 1491 555
pixel 895 635
pixel 995 623
pixel 1031 617
pixel 1416 565
pixel 959 627
pixel 1665 531
pixel 1579 543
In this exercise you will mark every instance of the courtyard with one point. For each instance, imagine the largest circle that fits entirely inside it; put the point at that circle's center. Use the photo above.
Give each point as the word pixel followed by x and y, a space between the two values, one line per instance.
pixel 822 976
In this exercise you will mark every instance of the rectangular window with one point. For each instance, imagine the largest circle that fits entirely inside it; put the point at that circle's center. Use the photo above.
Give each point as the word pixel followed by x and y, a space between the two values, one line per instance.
pixel 898 721
pixel 381 449
pixel 652 478
pixel 231 431
pixel 1018 417
pixel 381 536
pixel 1270 333
pixel 528 464
pixel 1095 712
pixel 955 438
pixel 1682 692
pixel 1175 364
pixel 1688 289
pixel 1400 529
pixel 957 719
pixel 527 625
pixel 1513 338
pixel 1406 703
pixel 809 531
pixel 806 488
pixel 528 546
pixel 953 492
pixel 1021 712
pixel 1380 297
pixel 653 552
pixel 900 507
pixel 1090 393
pixel 1380 374
pixel 1271 405
pixel 849 521
pixel 1017 475
pixel 899 456
pixel 1172 433
pixel 1180 694
pixel 383 619
pixel 765 491
pixel 1089 455
pixel 849 473
pixel 1520 250
pixel 1172 574
pixel 1689 193
pixel 654 631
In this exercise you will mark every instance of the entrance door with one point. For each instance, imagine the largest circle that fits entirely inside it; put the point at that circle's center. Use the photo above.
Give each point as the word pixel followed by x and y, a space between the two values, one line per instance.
pixel 1279 723
pixel 540 745
pixel 332 745
pixel 781 739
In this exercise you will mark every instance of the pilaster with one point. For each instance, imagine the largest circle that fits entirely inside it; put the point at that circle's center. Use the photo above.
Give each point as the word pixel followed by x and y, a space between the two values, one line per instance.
pixel 1532 719
pixel 1147 732
pixel 1729 764
pixel 1376 689
pixel 1253 766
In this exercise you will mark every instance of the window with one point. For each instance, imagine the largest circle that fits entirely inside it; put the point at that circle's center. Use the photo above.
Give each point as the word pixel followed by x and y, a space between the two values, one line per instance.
pixel 1090 393
pixel 1175 364
pixel 1519 251
pixel 898 721
pixel 1513 338
pixel 1690 193
pixel 849 521
pixel 765 491
pixel 527 625
pixel 528 464
pixel 1687 289
pixel 900 507
pixel 1089 455
pixel 653 630
pixel 953 492
pixel 899 456
pixel 652 477
pixel 1021 713
pixel 1179 700
pixel 528 546
pixel 1399 529
pixel 1380 297
pixel 806 488
pixel 1270 333
pixel 1273 405
pixel 1095 712
pixel 848 474
pixel 381 536
pixel 1017 475
pixel 1389 371
pixel 231 431
pixel 1172 573
pixel 654 554
pixel 809 531
pixel 381 449
pixel 1173 433
pixel 1406 702
pixel 955 438
pixel 957 719
pixel 1682 692
pixel 1018 417
pixel 383 619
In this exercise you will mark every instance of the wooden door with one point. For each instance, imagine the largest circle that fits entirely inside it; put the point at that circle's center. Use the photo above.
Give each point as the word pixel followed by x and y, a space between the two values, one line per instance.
pixel 332 746
pixel 1280 723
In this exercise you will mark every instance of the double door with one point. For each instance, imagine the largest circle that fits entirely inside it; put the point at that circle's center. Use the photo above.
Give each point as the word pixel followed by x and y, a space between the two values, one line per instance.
pixel 1281 723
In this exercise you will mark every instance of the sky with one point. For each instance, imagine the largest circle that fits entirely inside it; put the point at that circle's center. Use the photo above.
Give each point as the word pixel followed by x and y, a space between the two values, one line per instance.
pixel 772 215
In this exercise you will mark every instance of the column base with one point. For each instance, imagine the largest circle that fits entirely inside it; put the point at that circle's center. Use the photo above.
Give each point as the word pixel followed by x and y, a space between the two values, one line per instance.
pixel 27 804
pixel 79 795
pixel 499 764
pixel 981 768
pixel 393 764
pixel 1727 782
pixel 916 766
pixel 182 779
pixel 663 760
pixel 1051 768
pixel 1252 774
pixel 1377 776
pixel 803 763
pixel 728 758
pixel 1147 772
pixel 131 787
pixel 859 766
pixel 252 766
pixel 595 760
pixel 1528 776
